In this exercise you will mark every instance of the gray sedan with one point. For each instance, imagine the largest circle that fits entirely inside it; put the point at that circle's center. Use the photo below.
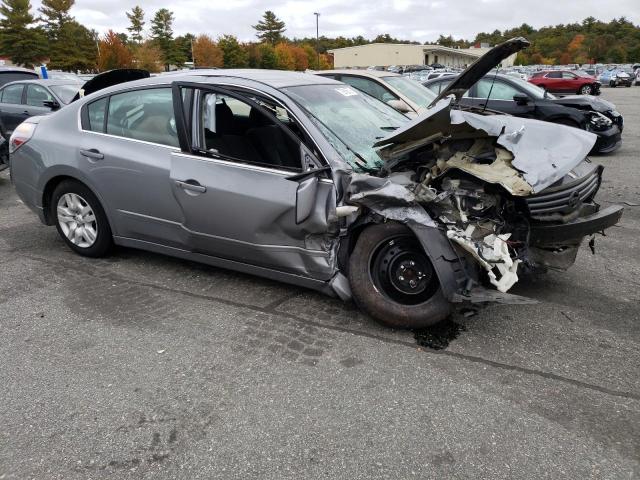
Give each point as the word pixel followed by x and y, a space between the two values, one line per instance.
pixel 303 179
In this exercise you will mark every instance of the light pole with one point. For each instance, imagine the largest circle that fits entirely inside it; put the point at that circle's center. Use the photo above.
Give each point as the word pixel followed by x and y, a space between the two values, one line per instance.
pixel 317 39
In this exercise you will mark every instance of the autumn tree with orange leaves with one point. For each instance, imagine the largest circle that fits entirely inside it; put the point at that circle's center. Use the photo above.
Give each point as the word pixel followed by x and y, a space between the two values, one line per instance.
pixel 206 53
pixel 113 53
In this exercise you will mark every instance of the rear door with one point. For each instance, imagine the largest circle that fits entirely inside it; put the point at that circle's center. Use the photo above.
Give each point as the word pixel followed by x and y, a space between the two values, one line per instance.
pixel 553 81
pixel 12 109
pixel 570 82
pixel 126 151
pixel 234 187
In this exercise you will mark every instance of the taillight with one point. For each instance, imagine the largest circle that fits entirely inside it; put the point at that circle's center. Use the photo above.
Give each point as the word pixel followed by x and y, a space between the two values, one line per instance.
pixel 21 135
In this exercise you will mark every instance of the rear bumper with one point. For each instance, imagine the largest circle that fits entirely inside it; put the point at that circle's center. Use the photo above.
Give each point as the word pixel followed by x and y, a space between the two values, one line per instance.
pixel 574 231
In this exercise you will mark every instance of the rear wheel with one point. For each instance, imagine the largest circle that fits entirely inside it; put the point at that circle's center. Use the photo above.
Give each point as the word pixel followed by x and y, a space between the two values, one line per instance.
pixel 393 280
pixel 4 150
pixel 586 90
pixel 80 219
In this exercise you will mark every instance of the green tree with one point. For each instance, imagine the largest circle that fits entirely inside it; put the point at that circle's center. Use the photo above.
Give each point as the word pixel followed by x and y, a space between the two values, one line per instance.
pixel 268 57
pixel 233 54
pixel 55 15
pixel 136 18
pixel 19 40
pixel 75 48
pixel 183 45
pixel 270 28
pixel 162 34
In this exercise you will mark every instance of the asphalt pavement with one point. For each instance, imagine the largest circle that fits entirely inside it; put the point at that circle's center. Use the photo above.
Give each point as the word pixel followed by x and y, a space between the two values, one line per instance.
pixel 144 366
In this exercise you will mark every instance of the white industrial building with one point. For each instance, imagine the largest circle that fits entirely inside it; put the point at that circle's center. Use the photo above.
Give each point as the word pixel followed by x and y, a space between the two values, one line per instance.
pixel 385 54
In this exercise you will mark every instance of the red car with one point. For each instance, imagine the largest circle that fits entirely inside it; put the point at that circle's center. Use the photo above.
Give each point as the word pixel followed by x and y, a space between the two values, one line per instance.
pixel 567 82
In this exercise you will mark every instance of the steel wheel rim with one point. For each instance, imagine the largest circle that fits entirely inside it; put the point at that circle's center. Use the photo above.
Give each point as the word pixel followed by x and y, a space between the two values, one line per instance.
pixel 401 271
pixel 77 220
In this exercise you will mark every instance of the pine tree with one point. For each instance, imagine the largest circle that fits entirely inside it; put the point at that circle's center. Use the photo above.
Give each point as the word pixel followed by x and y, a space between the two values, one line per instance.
pixel 270 28
pixel 162 34
pixel 22 43
pixel 55 15
pixel 136 17
pixel 234 56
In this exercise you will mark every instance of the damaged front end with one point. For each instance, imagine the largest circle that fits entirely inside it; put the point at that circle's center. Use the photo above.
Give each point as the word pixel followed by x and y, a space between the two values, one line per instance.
pixel 488 197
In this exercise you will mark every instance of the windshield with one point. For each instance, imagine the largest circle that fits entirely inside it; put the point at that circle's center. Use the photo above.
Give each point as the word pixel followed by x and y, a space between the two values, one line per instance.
pixel 351 121
pixel 533 90
pixel 65 92
pixel 411 89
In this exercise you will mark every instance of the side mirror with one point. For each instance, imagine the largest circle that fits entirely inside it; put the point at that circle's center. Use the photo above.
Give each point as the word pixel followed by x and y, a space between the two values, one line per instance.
pixel 399 105
pixel 52 104
pixel 521 98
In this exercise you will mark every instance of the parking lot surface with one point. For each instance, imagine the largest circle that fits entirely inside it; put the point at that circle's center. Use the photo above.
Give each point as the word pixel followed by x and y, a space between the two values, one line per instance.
pixel 144 366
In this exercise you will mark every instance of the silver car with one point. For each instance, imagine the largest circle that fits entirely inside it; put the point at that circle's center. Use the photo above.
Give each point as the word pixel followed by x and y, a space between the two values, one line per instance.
pixel 304 179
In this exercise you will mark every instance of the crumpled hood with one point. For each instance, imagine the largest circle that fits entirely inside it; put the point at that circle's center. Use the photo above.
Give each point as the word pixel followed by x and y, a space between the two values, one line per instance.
pixel 585 102
pixel 481 67
pixel 544 153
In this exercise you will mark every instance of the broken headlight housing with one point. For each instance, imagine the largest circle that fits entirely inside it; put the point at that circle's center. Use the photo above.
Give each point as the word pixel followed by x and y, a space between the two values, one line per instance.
pixel 598 121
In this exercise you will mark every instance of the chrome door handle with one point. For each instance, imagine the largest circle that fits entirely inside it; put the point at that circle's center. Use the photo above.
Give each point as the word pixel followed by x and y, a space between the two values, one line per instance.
pixel 92 153
pixel 191 185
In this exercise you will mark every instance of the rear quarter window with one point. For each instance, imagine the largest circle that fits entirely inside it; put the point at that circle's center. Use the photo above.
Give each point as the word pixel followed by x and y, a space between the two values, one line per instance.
pixel 95 115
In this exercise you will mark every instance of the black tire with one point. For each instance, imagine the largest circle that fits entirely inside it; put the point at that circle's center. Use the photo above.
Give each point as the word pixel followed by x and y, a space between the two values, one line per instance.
pixel 586 90
pixel 612 84
pixel 103 239
pixel 379 297
pixel 4 150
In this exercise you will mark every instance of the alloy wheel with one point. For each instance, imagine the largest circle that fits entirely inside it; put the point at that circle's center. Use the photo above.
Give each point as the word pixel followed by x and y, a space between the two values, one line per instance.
pixel 77 220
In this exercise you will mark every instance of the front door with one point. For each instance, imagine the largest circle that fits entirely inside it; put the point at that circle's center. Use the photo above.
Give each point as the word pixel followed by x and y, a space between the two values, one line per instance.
pixel 498 96
pixel 234 187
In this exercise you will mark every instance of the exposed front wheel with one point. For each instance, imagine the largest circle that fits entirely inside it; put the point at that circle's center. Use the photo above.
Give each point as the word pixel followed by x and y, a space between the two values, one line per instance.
pixel 393 280
pixel 586 90
pixel 80 219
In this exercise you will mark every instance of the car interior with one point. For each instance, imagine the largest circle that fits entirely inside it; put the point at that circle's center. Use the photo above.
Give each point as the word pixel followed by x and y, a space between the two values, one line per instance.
pixel 235 129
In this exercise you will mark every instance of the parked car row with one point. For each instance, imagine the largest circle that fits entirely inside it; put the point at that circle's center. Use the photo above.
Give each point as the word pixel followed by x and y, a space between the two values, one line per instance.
pixel 309 180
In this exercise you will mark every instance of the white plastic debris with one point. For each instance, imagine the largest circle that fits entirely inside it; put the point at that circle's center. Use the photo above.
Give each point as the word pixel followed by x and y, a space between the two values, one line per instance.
pixel 492 252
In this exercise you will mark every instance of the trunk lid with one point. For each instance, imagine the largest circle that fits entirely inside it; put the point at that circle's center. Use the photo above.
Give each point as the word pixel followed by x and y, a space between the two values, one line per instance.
pixel 110 78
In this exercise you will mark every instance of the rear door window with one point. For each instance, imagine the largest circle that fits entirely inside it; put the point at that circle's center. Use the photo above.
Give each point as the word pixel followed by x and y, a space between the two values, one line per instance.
pixel 554 75
pixel 12 94
pixel 145 115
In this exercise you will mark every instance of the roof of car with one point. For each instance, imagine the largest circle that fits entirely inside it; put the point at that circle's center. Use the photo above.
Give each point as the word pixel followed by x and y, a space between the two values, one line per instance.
pixel 16 69
pixel 47 82
pixel 50 82
pixel 449 78
pixel 273 78
pixel 361 73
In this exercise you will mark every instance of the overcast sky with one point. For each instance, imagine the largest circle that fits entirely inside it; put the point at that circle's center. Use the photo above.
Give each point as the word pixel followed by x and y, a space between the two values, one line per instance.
pixel 409 19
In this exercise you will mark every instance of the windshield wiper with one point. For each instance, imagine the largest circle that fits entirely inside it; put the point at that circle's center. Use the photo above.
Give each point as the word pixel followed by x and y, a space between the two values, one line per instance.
pixel 389 128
